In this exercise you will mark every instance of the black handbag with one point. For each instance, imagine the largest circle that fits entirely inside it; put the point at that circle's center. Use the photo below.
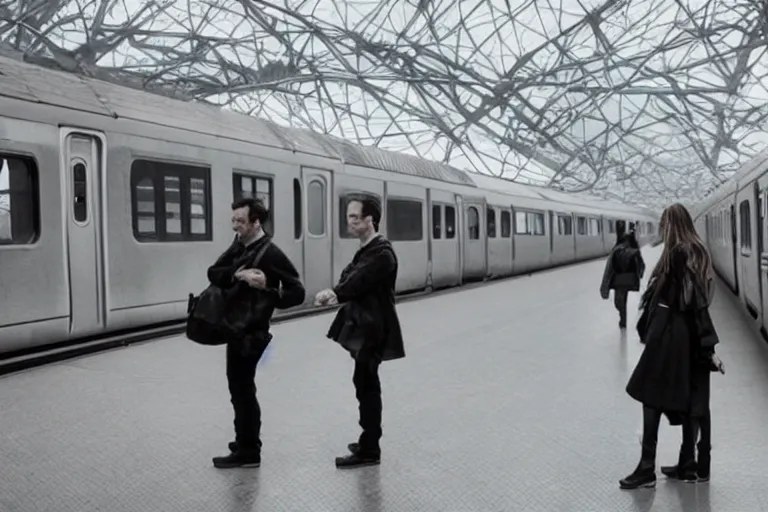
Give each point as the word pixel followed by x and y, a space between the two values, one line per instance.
pixel 207 322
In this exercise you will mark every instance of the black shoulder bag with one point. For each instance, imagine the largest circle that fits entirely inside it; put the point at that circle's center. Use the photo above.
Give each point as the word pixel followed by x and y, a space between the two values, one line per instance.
pixel 206 313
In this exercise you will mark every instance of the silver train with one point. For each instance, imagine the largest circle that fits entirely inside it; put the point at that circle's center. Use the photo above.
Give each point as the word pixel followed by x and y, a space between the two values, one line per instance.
pixel 732 222
pixel 113 202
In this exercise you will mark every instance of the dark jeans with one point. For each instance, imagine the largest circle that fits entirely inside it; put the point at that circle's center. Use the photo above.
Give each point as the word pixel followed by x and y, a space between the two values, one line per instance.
pixel 368 391
pixel 241 371
pixel 620 301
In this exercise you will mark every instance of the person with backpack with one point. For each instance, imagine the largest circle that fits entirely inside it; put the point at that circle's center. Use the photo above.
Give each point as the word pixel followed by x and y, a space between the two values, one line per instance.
pixel 624 269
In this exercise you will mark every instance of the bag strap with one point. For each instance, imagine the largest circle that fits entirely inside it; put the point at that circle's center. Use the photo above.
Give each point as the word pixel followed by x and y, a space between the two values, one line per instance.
pixel 256 259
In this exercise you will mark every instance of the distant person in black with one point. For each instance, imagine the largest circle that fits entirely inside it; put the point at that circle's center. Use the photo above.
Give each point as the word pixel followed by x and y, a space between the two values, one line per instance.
pixel 367 324
pixel 621 229
pixel 624 269
pixel 251 286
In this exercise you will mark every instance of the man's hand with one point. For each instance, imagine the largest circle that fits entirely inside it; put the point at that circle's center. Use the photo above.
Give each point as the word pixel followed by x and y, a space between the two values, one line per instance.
pixel 326 298
pixel 253 277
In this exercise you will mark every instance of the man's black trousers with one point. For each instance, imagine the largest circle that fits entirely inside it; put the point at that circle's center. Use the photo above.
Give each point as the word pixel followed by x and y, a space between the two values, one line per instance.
pixel 241 372
pixel 368 391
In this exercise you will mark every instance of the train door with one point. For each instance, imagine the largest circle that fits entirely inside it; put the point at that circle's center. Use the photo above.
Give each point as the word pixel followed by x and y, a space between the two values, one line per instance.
pixel 318 240
pixel 444 244
pixel 82 169
pixel 474 238
pixel 762 236
pixel 552 234
pixel 734 249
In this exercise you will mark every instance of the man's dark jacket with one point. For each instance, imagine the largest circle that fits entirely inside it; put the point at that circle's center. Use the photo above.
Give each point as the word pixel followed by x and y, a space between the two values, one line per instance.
pixel 283 288
pixel 366 291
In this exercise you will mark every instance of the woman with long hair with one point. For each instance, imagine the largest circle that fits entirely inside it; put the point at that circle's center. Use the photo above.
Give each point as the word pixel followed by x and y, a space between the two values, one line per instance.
pixel 672 376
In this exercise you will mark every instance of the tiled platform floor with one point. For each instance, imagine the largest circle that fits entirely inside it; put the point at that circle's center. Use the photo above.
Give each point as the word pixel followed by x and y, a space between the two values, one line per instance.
pixel 511 399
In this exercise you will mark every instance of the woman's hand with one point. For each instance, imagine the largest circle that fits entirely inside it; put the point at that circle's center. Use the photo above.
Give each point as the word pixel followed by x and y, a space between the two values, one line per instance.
pixel 718 364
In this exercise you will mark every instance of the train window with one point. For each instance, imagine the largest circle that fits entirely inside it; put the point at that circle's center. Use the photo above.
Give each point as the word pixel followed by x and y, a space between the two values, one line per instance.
pixel 450 222
pixel 19 206
pixel 581 225
pixel 170 202
pixel 611 226
pixel 473 223
pixel 521 223
pixel 316 208
pixel 258 187
pixel 296 209
pixel 529 223
pixel 198 206
pixel 144 211
pixel 80 196
pixel 506 224
pixel 404 220
pixel 173 204
pixel 594 227
pixel 437 222
pixel 746 225
pixel 491 222
pixel 564 225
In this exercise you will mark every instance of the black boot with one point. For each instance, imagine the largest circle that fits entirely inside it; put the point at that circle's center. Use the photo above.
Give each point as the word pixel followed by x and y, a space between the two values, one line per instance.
pixel 702 466
pixel 234 446
pixel 685 472
pixel 644 474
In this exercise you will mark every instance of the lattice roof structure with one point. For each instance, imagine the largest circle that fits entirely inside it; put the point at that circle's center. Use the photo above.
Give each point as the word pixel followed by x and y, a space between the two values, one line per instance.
pixel 648 101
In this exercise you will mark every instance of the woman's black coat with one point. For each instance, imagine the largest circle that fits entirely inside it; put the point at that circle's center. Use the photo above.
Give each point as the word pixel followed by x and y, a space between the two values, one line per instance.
pixel 673 372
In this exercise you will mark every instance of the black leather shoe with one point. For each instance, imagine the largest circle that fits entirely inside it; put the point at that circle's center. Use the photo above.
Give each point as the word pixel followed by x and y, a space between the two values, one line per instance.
pixel 357 460
pixel 239 459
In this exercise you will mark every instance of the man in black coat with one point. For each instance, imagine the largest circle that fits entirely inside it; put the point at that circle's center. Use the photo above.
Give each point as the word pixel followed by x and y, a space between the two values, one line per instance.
pixel 253 294
pixel 367 324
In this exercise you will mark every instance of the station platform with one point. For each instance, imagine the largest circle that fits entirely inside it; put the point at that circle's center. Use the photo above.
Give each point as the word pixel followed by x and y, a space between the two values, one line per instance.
pixel 511 398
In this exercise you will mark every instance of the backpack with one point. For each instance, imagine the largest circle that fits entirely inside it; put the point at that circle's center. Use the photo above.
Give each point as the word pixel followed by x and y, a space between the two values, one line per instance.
pixel 207 323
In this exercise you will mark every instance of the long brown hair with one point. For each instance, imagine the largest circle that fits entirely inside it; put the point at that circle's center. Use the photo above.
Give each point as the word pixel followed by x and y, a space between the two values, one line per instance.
pixel 678 232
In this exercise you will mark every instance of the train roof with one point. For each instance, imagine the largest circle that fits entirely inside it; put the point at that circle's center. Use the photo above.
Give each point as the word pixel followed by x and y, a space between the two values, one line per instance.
pixel 732 184
pixel 565 198
pixel 37 84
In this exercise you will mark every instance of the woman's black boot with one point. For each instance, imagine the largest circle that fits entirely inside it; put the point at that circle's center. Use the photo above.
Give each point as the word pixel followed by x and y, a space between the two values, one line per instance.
pixel 702 466
pixel 644 474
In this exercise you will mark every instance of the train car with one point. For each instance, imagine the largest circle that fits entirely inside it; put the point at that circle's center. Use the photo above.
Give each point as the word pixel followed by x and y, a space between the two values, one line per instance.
pixel 732 222
pixel 114 201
